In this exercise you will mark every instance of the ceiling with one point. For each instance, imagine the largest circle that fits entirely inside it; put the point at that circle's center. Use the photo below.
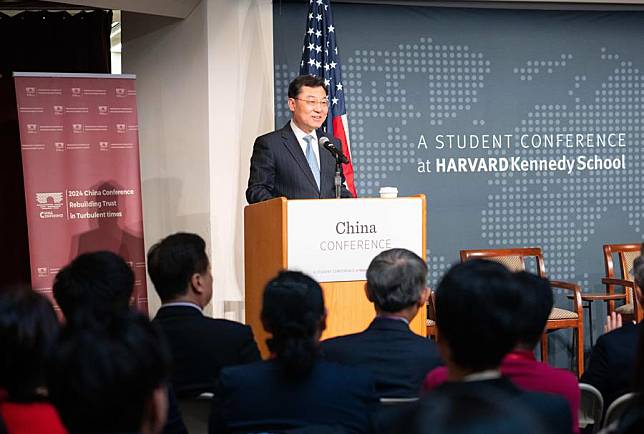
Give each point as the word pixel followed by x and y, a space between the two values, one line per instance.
pixel 182 8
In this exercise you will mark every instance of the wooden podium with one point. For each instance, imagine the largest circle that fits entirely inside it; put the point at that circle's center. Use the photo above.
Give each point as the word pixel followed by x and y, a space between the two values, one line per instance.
pixel 274 227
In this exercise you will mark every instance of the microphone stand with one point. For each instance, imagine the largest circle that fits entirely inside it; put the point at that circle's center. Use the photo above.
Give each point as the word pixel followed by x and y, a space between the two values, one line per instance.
pixel 338 176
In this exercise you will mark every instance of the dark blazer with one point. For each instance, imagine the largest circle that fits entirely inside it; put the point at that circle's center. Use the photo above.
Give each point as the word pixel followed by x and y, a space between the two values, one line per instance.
pixel 398 358
pixel 551 411
pixel 278 167
pixel 201 346
pixel 611 368
pixel 257 397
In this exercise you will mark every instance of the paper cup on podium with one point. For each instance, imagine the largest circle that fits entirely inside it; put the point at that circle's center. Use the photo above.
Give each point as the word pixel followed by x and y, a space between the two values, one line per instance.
pixel 388 192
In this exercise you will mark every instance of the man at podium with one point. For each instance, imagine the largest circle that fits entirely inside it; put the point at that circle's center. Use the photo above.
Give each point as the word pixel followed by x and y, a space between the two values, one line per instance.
pixel 291 161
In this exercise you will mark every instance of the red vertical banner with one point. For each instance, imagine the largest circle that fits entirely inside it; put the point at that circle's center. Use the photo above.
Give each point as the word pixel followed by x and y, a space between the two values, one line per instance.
pixel 80 157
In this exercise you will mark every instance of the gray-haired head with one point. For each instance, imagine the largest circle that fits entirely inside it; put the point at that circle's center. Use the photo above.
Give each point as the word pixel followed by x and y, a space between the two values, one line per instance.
pixel 396 279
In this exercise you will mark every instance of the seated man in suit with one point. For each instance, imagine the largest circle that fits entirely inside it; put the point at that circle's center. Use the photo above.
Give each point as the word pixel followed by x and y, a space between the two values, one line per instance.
pixel 520 365
pixel 110 377
pixel 96 286
pixel 611 368
pixel 476 321
pixel 180 271
pixel 397 358
pixel 290 162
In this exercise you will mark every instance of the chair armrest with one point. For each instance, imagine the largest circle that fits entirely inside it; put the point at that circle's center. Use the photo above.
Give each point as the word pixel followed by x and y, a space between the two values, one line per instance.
pixel 617 282
pixel 576 293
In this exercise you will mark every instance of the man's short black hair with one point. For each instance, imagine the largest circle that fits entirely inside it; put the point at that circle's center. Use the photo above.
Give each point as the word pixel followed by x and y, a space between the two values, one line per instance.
pixel 395 279
pixel 475 313
pixel 295 86
pixel 93 284
pixel 536 304
pixel 102 375
pixel 173 261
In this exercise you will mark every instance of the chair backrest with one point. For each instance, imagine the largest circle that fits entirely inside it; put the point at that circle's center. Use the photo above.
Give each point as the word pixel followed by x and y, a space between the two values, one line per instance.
pixel 616 409
pixel 396 401
pixel 626 254
pixel 514 259
pixel 591 407
pixel 195 412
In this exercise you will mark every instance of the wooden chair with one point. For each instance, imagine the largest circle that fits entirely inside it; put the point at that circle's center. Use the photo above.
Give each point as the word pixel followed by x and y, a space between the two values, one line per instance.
pixel 432 331
pixel 514 260
pixel 626 254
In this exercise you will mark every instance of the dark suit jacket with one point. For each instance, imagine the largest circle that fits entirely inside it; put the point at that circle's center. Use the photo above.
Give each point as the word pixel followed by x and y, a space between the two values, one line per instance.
pixel 201 346
pixel 257 397
pixel 551 411
pixel 611 368
pixel 278 167
pixel 398 358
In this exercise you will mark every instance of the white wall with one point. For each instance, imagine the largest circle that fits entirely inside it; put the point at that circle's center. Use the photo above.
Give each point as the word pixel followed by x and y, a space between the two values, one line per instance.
pixel 204 89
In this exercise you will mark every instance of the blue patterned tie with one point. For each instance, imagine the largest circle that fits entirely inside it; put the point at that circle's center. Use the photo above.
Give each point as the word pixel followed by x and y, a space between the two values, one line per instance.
pixel 313 162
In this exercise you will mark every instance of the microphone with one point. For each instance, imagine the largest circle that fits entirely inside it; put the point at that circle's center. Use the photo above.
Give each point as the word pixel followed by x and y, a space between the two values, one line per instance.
pixel 329 146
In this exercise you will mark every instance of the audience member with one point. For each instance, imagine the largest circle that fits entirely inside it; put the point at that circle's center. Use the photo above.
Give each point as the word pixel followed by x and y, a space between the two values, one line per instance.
pixel 397 358
pixel 94 287
pixel 295 388
pixel 520 365
pixel 474 411
pixel 28 331
pixel 476 321
pixel 180 271
pixel 110 377
pixel 612 361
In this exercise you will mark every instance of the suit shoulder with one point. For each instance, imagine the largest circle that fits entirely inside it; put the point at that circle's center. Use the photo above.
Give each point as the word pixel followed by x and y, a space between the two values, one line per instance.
pixel 340 340
pixel 628 331
pixel 227 325
pixel 272 136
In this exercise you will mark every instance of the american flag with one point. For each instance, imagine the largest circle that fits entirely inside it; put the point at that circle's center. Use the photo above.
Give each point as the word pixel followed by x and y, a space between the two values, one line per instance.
pixel 320 57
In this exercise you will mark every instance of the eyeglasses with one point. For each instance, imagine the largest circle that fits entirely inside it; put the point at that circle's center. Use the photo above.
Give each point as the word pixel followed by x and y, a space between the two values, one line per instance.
pixel 312 103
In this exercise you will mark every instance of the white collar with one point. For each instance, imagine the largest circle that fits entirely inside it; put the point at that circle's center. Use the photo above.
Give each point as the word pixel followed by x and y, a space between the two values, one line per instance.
pixel 182 303
pixel 299 134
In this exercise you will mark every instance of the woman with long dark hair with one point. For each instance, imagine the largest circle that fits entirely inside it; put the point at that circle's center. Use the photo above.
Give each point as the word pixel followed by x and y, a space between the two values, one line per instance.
pixel 294 389
pixel 28 331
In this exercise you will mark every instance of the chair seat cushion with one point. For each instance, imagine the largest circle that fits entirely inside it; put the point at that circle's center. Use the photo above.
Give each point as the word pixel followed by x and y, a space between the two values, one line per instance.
pixel 558 313
pixel 625 309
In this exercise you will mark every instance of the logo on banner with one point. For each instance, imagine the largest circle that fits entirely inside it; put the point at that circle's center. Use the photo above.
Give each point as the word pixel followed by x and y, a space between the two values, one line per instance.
pixel 30 91
pixel 77 128
pixel 76 91
pixel 32 128
pixel 103 146
pixel 120 92
pixel 48 204
pixel 120 128
pixel 102 110
pixel 58 109
pixel 49 200
pixel 42 271
pixel 60 146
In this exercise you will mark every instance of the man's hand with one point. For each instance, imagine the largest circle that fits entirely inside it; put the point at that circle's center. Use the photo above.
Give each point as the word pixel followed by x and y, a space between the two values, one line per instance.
pixel 613 321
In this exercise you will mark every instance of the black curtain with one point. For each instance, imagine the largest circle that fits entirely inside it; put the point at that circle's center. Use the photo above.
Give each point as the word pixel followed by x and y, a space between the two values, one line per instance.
pixel 37 41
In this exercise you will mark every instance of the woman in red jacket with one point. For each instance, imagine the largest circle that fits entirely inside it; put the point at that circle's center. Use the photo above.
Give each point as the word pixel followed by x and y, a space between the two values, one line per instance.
pixel 28 329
